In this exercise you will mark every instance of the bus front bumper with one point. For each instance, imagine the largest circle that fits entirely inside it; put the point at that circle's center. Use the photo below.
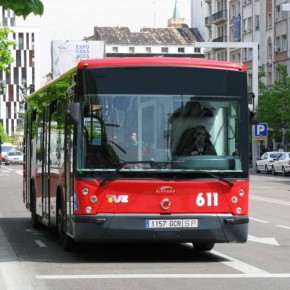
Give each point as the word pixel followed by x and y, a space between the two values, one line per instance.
pixel 214 228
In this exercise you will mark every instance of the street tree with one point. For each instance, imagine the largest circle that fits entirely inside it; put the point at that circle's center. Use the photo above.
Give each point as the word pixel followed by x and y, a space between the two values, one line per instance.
pixel 274 104
pixel 23 7
pixel 5 53
pixel 4 135
pixel 20 8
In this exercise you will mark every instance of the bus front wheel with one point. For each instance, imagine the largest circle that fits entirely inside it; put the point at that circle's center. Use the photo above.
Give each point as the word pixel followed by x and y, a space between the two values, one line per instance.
pixel 203 247
pixel 66 241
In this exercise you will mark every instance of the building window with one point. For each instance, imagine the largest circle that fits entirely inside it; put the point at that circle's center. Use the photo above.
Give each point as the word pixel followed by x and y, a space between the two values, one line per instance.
pixel 164 49
pixel 269 78
pixel 283 42
pixel 277 47
pixel 257 22
pixel 181 49
pixel 269 20
pixel 131 49
pixel 16 76
pixel 20 41
pixel 18 58
pixel 247 24
pixel 115 49
pixel 148 49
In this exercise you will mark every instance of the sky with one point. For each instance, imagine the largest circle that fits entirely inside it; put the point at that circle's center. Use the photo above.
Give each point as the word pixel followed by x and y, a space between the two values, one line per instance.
pixel 75 19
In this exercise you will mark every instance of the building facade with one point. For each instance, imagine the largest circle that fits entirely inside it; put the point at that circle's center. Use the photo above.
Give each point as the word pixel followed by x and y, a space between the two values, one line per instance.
pixel 22 77
pixel 261 21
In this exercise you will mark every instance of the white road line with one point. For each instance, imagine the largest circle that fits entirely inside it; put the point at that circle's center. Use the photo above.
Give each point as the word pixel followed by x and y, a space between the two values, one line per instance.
pixel 162 276
pixel 284 227
pixel 40 243
pixel 287 203
pixel 268 241
pixel 257 220
pixel 239 265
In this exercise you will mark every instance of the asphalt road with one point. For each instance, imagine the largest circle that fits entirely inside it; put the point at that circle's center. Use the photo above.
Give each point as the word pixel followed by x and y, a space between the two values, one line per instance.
pixel 34 259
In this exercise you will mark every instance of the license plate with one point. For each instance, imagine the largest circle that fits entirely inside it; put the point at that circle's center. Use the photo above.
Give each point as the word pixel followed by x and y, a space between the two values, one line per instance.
pixel 178 223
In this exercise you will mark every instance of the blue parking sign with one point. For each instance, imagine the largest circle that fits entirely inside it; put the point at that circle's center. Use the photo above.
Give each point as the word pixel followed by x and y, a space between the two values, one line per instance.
pixel 261 131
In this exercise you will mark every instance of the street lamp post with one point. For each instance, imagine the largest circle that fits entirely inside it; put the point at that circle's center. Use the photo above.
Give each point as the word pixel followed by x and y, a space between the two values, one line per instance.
pixel 24 89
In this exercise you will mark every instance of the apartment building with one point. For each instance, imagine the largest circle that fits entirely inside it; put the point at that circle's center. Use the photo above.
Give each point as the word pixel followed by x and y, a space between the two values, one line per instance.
pixel 261 21
pixel 177 39
pixel 22 76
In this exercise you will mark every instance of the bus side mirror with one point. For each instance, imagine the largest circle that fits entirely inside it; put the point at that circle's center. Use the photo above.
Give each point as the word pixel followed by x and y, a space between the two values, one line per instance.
pixel 73 113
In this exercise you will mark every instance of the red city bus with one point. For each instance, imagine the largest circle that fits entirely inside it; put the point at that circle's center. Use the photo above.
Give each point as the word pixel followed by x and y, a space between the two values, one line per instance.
pixel 84 174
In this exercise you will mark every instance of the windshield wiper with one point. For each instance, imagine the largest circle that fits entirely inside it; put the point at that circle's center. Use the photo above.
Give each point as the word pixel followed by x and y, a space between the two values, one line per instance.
pixel 120 167
pixel 124 163
pixel 230 184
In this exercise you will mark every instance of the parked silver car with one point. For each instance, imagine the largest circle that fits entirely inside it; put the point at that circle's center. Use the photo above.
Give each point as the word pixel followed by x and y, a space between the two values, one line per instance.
pixel 282 164
pixel 264 164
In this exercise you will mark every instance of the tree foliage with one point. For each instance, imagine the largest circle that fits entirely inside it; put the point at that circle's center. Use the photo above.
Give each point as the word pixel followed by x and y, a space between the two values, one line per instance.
pixel 23 7
pixel 4 135
pixel 274 104
pixel 5 54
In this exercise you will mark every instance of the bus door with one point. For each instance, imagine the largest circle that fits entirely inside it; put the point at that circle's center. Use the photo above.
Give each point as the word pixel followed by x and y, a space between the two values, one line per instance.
pixel 45 166
pixel 27 147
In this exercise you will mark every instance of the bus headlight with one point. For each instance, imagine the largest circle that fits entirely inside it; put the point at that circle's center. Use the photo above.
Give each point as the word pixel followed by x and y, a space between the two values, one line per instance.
pixel 85 191
pixel 88 209
pixel 93 199
pixel 241 192
pixel 234 199
pixel 239 210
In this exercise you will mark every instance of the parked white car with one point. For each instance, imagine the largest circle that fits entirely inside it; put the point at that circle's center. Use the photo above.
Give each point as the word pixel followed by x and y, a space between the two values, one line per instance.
pixel 264 164
pixel 282 164
pixel 14 157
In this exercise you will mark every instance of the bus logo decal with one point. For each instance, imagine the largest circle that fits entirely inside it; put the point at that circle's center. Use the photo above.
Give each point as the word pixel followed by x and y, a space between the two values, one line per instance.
pixel 165 189
pixel 117 199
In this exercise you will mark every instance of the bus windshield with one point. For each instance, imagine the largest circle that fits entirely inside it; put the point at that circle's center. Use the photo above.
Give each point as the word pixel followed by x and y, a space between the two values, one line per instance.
pixel 160 131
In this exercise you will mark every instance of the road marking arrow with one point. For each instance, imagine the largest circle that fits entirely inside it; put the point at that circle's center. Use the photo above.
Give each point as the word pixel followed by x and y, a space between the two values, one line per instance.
pixel 268 241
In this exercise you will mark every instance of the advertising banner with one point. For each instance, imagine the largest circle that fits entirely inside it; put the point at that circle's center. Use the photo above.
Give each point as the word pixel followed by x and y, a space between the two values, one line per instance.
pixel 65 54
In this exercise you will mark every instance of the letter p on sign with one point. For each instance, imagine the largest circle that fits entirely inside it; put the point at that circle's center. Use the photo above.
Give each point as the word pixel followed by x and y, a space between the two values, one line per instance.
pixel 261 130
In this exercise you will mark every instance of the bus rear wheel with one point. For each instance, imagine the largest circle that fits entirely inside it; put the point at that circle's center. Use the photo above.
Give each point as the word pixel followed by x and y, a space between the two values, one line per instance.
pixel 34 217
pixel 203 247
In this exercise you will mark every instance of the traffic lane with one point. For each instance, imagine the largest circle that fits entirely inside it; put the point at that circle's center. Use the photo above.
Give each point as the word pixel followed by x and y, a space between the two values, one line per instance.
pixel 133 283
pixel 42 247
pixel 120 266
pixel 270 186
pixel 269 201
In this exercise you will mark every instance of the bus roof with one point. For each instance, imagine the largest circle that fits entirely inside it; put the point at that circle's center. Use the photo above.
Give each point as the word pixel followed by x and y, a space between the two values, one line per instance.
pixel 146 61
pixel 161 61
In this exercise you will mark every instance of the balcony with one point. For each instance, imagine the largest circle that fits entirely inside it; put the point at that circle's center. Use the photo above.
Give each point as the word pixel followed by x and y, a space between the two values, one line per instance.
pixel 219 17
pixel 208 21
pixel 220 39
pixel 208 1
